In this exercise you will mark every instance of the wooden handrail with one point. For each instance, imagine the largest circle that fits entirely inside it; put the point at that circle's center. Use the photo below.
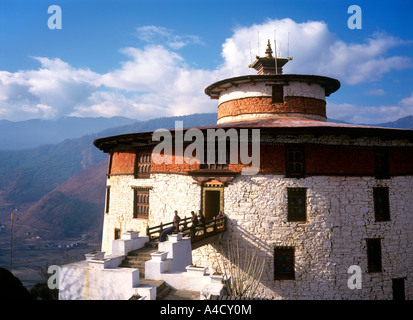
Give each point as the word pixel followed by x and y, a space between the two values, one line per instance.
pixel 162 226
pixel 217 224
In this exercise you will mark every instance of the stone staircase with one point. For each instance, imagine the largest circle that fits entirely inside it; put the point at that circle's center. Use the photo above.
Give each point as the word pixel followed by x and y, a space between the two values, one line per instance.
pixel 148 270
pixel 137 258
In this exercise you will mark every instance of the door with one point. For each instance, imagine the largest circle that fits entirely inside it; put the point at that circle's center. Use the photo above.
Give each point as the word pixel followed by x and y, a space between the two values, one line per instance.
pixel 212 204
pixel 212 201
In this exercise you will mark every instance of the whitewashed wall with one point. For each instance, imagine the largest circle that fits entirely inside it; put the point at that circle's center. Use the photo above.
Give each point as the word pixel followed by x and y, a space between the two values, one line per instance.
pixel 340 216
pixel 260 89
pixel 169 192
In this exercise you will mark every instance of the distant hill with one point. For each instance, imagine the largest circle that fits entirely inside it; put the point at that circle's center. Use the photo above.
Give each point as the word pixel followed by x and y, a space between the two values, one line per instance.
pixel 30 179
pixel 60 189
pixel 73 208
pixel 193 120
pixel 402 123
pixel 33 133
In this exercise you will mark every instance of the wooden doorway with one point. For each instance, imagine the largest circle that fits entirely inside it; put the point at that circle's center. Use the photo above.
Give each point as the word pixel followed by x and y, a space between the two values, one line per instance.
pixel 212 199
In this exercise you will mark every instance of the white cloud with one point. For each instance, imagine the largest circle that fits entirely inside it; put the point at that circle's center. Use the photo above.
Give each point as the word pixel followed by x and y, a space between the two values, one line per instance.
pixel 155 80
pixel 166 37
pixel 237 54
pixel 370 114
pixel 108 104
pixel 145 70
pixel 51 91
pixel 375 92
pixel 315 50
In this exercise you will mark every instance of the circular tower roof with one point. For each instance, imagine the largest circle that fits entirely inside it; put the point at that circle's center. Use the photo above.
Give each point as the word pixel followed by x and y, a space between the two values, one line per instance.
pixel 272 94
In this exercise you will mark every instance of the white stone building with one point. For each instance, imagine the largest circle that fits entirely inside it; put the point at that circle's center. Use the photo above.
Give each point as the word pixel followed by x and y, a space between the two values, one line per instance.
pixel 327 199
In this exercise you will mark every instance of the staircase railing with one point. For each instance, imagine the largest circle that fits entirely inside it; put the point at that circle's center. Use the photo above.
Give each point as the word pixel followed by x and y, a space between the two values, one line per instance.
pixel 200 232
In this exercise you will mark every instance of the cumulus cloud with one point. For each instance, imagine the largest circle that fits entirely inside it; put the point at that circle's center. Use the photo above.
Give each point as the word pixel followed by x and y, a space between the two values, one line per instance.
pixel 49 92
pixel 164 85
pixel 315 50
pixel 155 80
pixel 371 114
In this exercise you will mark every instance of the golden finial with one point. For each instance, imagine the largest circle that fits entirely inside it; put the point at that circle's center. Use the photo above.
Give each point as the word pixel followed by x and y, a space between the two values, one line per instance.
pixel 269 50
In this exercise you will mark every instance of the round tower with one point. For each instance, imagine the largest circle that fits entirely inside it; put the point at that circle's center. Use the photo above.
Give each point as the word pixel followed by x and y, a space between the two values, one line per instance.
pixel 272 94
pixel 326 196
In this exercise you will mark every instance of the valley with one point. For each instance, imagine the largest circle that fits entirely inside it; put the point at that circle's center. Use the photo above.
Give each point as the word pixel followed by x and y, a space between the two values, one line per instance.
pixel 31 256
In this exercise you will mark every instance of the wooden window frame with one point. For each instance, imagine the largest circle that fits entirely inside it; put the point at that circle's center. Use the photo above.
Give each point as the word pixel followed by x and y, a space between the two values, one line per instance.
pixel 374 253
pixel 141 203
pixel 292 161
pixel 297 195
pixel 381 204
pixel 283 259
pixel 216 165
pixel 143 163
pixel 277 93
pixel 381 163
pixel 117 233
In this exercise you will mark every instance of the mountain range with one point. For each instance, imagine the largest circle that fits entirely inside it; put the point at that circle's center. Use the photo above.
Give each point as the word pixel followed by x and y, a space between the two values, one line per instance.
pixel 42 182
pixel 59 189
pixel 35 132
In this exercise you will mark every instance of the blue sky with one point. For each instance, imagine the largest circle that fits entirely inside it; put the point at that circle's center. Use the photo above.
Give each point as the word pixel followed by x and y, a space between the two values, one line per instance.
pixel 146 59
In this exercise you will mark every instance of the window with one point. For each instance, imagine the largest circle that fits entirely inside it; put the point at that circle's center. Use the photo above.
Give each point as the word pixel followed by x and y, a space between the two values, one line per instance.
pixel 117 233
pixel 277 93
pixel 294 161
pixel 296 204
pixel 398 289
pixel 143 164
pixel 373 255
pixel 107 199
pixel 381 204
pixel 218 159
pixel 141 203
pixel 284 263
pixel 381 163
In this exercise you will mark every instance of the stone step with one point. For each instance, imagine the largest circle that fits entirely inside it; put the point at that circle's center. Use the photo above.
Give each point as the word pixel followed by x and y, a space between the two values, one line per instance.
pixel 145 251
pixel 135 265
pixel 136 259
pixel 162 288
pixel 152 244
pixel 162 291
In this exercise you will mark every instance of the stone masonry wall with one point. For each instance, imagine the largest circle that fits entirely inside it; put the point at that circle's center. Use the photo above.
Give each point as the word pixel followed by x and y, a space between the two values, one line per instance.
pixel 253 100
pixel 256 105
pixel 169 192
pixel 340 217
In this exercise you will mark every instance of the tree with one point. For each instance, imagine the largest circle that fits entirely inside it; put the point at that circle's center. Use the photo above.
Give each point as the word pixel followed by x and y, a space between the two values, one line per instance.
pixel 243 267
